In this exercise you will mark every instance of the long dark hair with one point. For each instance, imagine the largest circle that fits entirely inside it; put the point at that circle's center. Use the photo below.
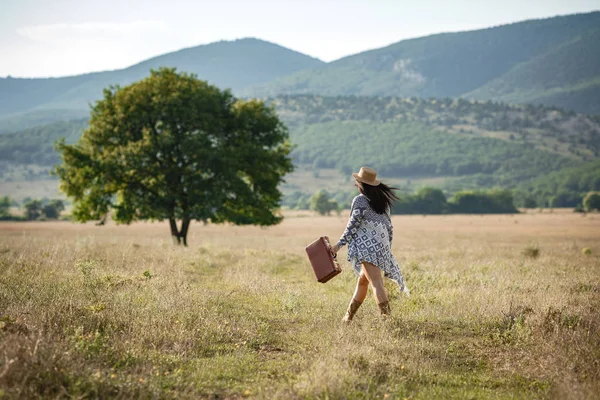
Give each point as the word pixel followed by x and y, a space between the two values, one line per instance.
pixel 381 197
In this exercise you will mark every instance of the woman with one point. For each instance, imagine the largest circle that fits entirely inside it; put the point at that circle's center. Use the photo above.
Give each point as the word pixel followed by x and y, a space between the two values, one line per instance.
pixel 369 239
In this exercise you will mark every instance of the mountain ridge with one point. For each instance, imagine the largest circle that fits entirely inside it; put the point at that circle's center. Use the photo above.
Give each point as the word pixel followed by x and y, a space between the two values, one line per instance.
pixel 541 153
pixel 247 62
pixel 440 65
pixel 508 63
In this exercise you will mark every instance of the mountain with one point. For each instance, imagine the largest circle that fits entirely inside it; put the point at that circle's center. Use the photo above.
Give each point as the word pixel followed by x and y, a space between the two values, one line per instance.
pixel 452 143
pixel 30 119
pixel 29 154
pixel 553 61
pixel 36 145
pixel 235 64
pixel 566 76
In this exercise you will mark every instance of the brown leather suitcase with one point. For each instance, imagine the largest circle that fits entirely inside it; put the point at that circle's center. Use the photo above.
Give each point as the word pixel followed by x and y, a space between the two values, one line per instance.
pixel 322 259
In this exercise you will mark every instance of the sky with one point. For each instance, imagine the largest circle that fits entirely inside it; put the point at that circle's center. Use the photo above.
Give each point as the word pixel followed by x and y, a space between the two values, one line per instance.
pixel 43 38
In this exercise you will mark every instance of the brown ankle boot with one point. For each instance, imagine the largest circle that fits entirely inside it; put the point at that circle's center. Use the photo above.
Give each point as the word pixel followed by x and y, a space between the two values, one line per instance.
pixel 352 309
pixel 384 308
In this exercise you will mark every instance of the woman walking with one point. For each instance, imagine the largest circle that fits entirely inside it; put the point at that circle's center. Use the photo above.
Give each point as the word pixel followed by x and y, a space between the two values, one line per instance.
pixel 369 236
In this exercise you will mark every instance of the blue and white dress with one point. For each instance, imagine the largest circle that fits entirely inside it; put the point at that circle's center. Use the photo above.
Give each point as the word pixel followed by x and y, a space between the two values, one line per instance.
pixel 369 238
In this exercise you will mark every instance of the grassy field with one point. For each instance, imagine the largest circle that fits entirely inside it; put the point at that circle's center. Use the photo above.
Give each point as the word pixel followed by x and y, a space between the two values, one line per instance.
pixel 120 312
pixel 36 189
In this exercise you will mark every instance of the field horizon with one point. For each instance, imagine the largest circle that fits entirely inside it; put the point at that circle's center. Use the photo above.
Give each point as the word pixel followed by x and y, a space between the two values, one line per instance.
pixel 501 306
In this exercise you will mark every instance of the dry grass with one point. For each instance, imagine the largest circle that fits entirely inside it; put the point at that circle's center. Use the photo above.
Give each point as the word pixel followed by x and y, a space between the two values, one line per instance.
pixel 118 311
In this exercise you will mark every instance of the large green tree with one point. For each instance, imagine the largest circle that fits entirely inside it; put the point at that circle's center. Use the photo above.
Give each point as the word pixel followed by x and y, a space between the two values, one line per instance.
pixel 174 147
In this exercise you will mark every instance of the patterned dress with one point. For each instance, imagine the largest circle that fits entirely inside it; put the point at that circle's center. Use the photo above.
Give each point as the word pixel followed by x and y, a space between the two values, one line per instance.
pixel 369 238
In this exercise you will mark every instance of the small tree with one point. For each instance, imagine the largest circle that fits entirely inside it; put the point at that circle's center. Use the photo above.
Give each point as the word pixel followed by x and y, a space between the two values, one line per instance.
pixel 303 203
pixel 53 209
pixel 5 203
pixel 591 201
pixel 33 209
pixel 529 202
pixel 174 147
pixel 565 199
pixel 321 203
pixel 58 204
pixel 431 201
pixel 490 202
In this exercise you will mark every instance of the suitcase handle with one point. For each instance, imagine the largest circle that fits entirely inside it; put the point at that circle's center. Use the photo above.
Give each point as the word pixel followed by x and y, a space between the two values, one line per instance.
pixel 329 247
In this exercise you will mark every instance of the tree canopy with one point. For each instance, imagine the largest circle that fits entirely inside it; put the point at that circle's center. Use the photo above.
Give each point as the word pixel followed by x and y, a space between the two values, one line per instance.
pixel 174 147
pixel 4 206
pixel 321 203
pixel 591 201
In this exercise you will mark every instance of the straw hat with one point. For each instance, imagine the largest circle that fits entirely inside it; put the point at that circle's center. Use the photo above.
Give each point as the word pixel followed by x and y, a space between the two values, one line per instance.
pixel 367 175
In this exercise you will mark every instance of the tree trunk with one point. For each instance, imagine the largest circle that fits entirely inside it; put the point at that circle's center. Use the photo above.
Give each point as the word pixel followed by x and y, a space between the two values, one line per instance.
pixel 185 224
pixel 177 234
pixel 174 231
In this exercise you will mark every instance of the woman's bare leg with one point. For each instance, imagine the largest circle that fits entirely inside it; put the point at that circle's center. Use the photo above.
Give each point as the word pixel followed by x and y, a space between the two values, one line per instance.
pixel 375 277
pixel 362 287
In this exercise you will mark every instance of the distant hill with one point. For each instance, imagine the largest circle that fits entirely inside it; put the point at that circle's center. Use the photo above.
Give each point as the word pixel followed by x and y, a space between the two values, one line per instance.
pixel 567 76
pixel 408 138
pixel 26 120
pixel 29 154
pixel 36 145
pixel 236 65
pixel 456 143
pixel 553 61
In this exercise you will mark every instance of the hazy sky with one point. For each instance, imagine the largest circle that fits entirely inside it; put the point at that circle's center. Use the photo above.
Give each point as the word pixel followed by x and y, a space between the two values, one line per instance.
pixel 65 37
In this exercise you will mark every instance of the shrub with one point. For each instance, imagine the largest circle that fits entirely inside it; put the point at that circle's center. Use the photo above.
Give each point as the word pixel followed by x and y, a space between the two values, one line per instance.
pixel 591 201
pixel 5 203
pixel 531 251
pixel 321 203
pixel 33 210
pixel 426 201
pixel 303 203
pixel 431 201
pixel 50 211
pixel 529 202
pixel 492 202
pixel 565 199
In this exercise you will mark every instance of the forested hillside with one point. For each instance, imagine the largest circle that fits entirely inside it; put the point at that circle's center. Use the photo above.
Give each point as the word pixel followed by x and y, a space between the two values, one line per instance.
pixel 461 144
pixel 24 121
pixel 567 76
pixel 563 188
pixel 551 61
pixel 30 154
pixel 36 145
pixel 550 130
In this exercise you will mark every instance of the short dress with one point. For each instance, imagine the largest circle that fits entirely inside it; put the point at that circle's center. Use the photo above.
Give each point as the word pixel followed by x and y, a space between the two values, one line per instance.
pixel 369 238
